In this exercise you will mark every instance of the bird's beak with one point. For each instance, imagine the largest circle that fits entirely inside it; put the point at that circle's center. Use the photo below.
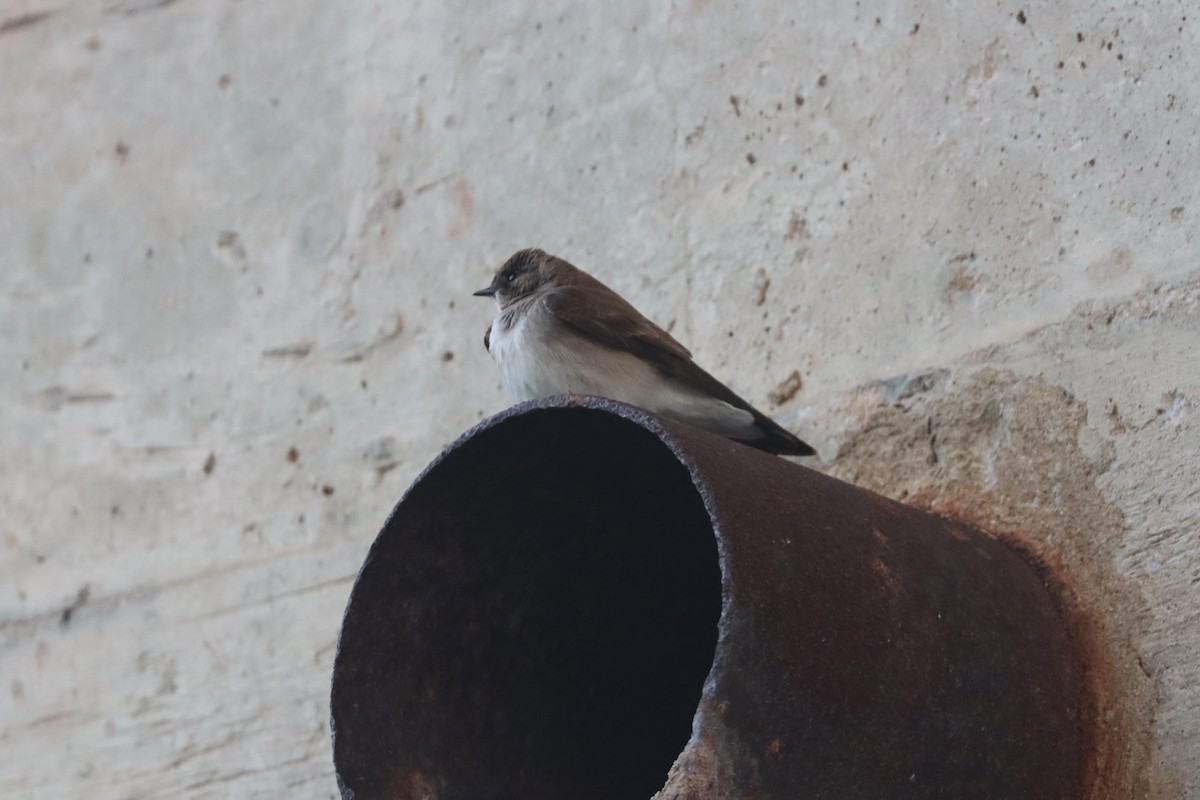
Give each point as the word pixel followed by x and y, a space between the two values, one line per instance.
pixel 488 292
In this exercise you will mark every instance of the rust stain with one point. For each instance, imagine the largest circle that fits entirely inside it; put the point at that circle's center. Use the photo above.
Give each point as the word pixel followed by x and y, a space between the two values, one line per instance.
pixel 1116 265
pixel 50 719
pixel 797 227
pixel 764 286
pixel 1117 749
pixel 787 389
pixel 983 71
pixel 297 350
pixel 961 282
pixel 1012 466
pixel 464 209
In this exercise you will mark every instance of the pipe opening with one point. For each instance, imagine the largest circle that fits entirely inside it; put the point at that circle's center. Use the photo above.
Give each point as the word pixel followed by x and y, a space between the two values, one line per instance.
pixel 536 620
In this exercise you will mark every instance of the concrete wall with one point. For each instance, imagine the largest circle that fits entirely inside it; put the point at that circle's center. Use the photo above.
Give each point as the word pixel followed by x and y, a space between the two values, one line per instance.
pixel 237 242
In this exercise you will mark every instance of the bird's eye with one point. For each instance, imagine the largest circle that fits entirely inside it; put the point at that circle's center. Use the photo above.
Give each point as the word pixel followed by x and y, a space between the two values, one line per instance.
pixel 510 276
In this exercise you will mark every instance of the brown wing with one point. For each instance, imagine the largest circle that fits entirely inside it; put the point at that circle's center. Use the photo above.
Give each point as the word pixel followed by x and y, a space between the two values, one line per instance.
pixel 602 315
pixel 599 313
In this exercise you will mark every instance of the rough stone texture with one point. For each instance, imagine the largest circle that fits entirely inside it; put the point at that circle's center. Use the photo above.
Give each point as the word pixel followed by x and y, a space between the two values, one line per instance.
pixel 238 245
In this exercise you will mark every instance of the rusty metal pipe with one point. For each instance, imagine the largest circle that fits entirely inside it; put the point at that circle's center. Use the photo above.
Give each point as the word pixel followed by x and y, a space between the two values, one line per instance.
pixel 577 600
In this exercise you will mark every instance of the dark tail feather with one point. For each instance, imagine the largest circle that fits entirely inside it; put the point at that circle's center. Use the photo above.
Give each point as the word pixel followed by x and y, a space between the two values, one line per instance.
pixel 776 439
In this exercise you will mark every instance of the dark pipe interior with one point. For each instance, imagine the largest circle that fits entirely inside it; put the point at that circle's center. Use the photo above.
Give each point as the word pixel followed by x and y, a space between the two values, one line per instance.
pixel 536 621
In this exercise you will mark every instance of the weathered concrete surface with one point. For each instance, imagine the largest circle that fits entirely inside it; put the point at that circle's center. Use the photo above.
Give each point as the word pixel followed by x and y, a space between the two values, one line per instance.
pixel 238 242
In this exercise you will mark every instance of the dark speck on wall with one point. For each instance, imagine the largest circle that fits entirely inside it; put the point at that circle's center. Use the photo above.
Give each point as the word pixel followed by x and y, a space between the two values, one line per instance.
pixel 80 600
pixel 751 158
pixel 293 455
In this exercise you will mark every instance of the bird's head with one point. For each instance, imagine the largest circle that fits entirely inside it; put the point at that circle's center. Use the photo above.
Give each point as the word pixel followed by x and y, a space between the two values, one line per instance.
pixel 522 275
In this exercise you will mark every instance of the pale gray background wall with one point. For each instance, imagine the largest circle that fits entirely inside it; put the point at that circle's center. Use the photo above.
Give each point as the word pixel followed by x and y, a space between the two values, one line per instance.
pixel 237 241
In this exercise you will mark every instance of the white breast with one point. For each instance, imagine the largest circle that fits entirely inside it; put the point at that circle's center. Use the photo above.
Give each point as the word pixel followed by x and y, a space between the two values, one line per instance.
pixel 526 363
pixel 539 358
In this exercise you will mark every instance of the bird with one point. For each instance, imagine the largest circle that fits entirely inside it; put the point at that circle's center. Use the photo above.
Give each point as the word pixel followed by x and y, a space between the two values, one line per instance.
pixel 561 331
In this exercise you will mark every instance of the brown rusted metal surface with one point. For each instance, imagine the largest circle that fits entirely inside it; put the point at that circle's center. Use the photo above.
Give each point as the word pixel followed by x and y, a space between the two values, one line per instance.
pixel 577 600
